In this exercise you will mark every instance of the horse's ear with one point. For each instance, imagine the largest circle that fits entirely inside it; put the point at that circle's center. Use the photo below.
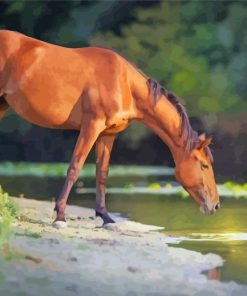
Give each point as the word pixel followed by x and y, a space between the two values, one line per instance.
pixel 203 142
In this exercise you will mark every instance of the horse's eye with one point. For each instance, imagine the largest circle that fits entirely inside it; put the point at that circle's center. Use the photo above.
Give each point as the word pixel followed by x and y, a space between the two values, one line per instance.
pixel 204 166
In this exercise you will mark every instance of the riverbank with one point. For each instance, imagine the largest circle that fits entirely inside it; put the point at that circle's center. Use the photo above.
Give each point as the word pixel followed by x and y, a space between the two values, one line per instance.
pixel 86 259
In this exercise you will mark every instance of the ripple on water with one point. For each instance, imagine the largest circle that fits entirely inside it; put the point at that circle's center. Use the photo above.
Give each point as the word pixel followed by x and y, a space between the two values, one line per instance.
pixel 231 236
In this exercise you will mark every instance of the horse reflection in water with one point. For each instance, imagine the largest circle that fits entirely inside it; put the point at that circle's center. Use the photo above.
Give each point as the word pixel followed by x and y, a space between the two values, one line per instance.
pixel 99 93
pixel 213 274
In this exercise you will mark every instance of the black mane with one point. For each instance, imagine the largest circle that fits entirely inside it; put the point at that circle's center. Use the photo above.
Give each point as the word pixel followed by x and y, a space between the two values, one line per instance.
pixel 188 135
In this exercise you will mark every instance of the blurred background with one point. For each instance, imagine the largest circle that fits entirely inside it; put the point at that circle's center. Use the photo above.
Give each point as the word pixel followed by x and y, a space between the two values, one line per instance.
pixel 195 49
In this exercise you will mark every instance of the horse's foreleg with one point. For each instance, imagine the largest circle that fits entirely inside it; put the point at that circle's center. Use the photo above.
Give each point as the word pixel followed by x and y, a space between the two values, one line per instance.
pixel 103 151
pixel 89 133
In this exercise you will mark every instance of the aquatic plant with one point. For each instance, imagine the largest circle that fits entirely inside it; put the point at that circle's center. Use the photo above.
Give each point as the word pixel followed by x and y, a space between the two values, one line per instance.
pixel 233 190
pixel 154 186
pixel 235 186
pixel 60 170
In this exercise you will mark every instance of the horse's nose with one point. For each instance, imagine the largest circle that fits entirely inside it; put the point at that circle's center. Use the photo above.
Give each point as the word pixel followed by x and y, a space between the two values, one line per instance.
pixel 217 206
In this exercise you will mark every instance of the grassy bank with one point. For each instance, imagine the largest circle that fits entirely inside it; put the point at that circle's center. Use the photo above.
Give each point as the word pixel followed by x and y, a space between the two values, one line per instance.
pixel 8 212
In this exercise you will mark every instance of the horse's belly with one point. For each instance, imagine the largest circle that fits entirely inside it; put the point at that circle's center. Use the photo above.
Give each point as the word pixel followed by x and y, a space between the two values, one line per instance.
pixel 49 114
pixel 44 91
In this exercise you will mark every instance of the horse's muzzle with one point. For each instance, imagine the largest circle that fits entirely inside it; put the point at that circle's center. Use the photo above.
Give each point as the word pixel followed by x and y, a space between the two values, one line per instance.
pixel 206 210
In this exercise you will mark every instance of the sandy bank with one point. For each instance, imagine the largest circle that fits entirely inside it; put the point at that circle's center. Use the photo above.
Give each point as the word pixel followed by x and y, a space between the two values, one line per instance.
pixel 85 259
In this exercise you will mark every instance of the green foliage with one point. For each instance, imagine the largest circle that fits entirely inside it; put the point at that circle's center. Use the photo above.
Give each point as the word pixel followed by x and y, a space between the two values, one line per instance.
pixel 8 211
pixel 170 42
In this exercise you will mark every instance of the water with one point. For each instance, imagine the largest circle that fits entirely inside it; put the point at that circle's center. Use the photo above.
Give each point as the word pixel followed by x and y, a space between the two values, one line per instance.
pixel 224 233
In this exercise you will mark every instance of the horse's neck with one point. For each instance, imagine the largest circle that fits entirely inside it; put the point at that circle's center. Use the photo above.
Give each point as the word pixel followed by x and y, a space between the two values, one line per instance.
pixel 161 117
pixel 166 123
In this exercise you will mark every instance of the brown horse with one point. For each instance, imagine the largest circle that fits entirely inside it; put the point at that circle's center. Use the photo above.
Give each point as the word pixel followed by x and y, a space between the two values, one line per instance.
pixel 98 92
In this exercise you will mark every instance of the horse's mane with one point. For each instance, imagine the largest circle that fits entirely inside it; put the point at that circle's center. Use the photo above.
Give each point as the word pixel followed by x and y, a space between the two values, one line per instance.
pixel 188 135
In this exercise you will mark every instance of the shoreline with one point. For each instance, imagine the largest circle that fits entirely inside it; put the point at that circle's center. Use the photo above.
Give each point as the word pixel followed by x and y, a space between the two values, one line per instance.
pixel 126 258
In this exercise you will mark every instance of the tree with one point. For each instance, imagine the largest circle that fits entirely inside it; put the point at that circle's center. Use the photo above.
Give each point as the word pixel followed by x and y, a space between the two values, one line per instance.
pixel 185 47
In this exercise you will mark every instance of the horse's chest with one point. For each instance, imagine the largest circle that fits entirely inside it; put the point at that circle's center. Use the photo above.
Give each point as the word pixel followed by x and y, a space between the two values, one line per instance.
pixel 116 125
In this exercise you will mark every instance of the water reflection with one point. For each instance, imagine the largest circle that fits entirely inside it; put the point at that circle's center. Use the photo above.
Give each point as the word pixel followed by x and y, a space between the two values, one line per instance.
pixel 213 274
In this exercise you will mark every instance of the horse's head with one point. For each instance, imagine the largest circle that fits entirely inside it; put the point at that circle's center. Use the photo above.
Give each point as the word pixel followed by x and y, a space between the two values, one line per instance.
pixel 195 173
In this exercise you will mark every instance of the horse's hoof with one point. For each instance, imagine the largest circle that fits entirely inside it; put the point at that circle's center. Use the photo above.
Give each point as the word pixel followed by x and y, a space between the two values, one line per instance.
pixel 59 224
pixel 111 226
pixel 105 217
pixel 109 221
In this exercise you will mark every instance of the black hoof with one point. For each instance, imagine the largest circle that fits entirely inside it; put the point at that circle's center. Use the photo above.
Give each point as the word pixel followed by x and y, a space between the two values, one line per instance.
pixel 105 217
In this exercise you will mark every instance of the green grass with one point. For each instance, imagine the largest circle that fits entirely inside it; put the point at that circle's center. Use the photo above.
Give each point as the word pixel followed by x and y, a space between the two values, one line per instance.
pixel 8 212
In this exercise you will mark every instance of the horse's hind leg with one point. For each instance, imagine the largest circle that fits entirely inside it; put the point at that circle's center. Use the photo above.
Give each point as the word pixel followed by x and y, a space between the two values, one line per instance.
pixel 103 151
pixel 89 133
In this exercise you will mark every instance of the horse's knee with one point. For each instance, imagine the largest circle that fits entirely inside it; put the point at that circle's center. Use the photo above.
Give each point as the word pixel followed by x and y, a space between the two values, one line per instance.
pixel 73 171
pixel 102 177
pixel 73 175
